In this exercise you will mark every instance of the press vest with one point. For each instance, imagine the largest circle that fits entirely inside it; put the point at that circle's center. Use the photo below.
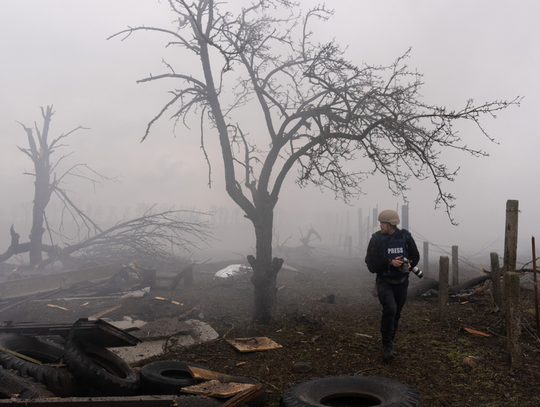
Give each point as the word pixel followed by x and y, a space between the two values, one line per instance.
pixel 393 248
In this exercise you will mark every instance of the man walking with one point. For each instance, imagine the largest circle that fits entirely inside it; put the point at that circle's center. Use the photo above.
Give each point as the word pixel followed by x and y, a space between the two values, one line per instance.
pixel 385 254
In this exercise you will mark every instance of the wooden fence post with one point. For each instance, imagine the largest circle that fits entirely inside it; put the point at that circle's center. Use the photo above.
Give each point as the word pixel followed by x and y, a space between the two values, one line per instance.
pixel 513 319
pixel 455 266
pixel 510 239
pixel 444 264
pixel 496 279
pixel 405 216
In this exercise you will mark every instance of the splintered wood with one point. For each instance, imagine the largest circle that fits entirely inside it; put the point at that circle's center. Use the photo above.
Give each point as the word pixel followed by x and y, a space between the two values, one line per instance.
pixel 205 374
pixel 253 344
pixel 214 388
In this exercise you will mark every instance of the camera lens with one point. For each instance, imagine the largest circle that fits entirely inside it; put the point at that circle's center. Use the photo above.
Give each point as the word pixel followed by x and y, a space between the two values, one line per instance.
pixel 418 272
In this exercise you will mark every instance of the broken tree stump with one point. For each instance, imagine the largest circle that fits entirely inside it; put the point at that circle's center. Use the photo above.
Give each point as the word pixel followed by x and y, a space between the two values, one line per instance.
pixel 186 274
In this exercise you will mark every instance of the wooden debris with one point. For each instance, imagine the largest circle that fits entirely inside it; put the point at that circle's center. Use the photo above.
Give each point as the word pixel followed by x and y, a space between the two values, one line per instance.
pixel 205 374
pixel 476 332
pixel 253 344
pixel 100 314
pixel 244 396
pixel 56 306
pixel 215 388
pixel 20 355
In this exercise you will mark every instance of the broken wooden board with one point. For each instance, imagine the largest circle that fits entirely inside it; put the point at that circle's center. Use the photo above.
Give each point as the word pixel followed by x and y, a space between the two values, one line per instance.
pixel 253 344
pixel 215 388
pixel 244 396
pixel 127 401
pixel 476 332
pixel 205 374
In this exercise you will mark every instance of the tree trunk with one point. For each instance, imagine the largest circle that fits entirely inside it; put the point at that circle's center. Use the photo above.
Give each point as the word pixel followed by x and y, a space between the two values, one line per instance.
pixel 265 269
pixel 426 284
pixel 41 199
pixel 39 152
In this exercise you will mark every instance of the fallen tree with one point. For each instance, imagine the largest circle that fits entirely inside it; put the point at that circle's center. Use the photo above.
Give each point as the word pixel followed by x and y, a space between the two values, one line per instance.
pixel 427 284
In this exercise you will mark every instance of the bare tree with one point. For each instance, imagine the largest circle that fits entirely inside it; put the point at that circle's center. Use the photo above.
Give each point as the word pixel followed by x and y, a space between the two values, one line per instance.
pixel 39 150
pixel 319 112
pixel 152 237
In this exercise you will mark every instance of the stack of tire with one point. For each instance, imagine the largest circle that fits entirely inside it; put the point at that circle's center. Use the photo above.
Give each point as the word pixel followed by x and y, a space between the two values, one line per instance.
pixel 93 370
pixel 89 369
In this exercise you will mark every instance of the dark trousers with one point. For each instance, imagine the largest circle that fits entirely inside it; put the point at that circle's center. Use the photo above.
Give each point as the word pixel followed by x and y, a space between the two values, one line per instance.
pixel 392 297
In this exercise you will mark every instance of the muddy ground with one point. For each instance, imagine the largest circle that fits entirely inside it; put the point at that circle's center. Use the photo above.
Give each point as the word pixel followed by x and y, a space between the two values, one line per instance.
pixel 448 365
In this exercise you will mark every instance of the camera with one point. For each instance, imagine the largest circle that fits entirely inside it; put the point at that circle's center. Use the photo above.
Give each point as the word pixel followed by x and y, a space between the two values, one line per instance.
pixel 406 269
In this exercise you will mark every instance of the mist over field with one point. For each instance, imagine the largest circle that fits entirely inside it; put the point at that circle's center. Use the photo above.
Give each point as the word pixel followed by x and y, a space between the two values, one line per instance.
pixel 56 53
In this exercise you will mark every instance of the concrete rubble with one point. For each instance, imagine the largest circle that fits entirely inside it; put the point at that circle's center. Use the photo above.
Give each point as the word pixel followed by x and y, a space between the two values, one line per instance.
pixel 160 335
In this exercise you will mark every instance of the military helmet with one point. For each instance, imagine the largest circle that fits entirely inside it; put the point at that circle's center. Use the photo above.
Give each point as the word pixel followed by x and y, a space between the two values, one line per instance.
pixel 389 216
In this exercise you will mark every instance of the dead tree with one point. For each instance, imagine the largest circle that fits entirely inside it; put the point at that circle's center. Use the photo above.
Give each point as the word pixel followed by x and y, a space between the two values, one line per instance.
pixel 39 150
pixel 153 236
pixel 307 239
pixel 318 112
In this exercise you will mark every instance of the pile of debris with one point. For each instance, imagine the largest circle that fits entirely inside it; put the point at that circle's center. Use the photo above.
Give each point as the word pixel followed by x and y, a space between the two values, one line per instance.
pixel 41 361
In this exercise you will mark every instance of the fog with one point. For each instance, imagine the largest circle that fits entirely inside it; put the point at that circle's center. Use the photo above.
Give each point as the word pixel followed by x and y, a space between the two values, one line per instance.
pixel 55 52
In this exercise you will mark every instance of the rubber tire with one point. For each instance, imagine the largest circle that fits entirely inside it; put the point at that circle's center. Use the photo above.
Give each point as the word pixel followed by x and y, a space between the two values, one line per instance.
pixel 57 380
pixel 167 377
pixel 12 384
pixel 350 390
pixel 102 369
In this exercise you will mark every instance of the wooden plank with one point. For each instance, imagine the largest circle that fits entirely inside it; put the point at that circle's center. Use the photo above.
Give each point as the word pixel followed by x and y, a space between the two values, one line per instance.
pixel 244 396
pixel 205 374
pixel 135 401
pixel 215 388
pixel 253 344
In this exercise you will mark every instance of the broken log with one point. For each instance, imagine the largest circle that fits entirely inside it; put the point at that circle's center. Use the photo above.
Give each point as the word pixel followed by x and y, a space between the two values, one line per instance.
pixel 468 284
pixel 423 285
pixel 427 284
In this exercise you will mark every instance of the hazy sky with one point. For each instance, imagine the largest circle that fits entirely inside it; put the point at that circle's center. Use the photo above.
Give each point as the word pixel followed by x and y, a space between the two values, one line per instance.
pixel 56 52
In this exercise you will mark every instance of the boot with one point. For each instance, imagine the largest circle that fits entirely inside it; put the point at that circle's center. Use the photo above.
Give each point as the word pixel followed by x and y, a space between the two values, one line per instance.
pixel 388 351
